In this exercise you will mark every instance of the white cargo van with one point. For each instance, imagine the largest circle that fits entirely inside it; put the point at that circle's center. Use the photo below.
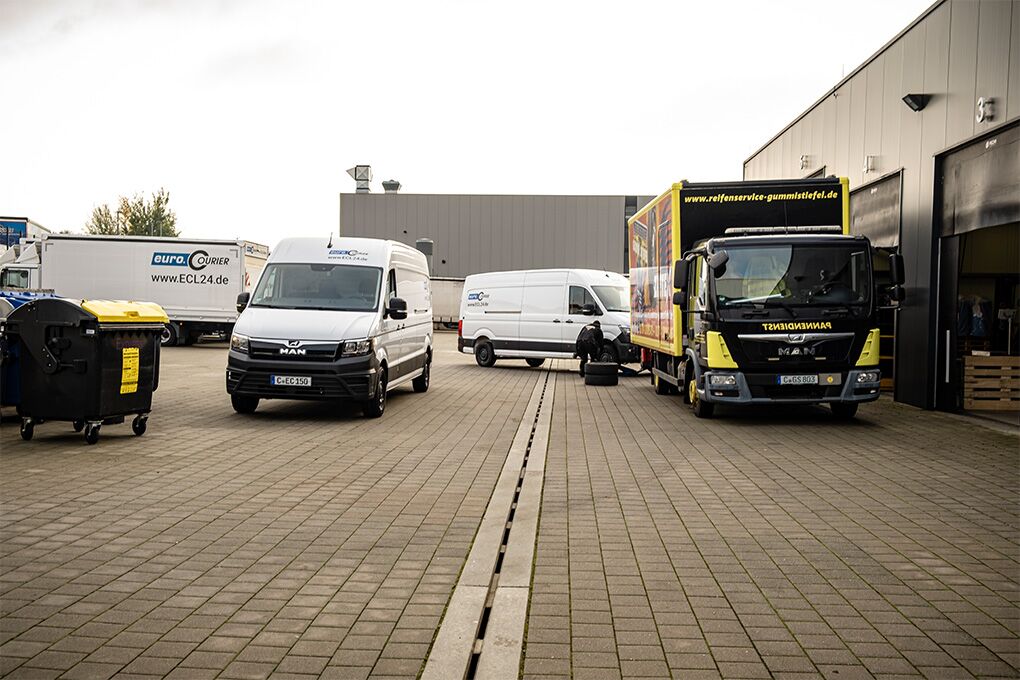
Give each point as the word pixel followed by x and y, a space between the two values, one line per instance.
pixel 537 314
pixel 337 319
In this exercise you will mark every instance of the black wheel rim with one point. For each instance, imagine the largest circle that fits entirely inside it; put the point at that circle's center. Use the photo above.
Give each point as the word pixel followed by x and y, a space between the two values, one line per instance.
pixel 428 370
pixel 483 354
pixel 381 398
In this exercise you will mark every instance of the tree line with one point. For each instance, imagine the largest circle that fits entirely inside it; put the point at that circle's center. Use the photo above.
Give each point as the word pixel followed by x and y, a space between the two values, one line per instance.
pixel 135 216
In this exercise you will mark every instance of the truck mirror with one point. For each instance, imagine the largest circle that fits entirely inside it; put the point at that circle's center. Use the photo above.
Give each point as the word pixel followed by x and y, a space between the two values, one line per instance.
pixel 897 294
pixel 680 300
pixel 718 262
pixel 588 309
pixel 242 301
pixel 680 271
pixel 896 269
pixel 396 308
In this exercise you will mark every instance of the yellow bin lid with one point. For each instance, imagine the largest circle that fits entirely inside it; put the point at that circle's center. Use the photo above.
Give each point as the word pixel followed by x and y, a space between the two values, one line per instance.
pixel 124 311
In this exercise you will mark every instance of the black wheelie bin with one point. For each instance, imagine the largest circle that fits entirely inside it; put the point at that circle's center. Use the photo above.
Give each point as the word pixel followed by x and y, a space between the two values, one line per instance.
pixel 90 362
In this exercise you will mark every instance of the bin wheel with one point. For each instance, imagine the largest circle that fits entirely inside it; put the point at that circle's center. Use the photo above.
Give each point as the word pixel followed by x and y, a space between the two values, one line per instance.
pixel 78 425
pixel 138 425
pixel 91 434
pixel 27 429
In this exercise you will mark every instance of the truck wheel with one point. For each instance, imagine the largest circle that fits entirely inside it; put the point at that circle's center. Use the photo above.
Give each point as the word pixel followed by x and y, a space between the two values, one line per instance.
pixel 375 406
pixel 534 363
pixel 701 409
pixel 171 335
pixel 421 383
pixel 844 410
pixel 243 404
pixel 485 356
pixel 661 386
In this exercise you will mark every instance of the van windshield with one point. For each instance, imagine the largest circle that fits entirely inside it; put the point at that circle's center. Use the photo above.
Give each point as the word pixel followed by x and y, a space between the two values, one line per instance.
pixel 337 287
pixel 613 298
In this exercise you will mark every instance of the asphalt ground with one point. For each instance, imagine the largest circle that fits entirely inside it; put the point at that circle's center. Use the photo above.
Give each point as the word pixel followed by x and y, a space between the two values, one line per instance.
pixel 307 541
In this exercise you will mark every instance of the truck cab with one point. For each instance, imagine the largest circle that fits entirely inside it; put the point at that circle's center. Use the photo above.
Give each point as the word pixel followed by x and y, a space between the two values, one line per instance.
pixel 780 318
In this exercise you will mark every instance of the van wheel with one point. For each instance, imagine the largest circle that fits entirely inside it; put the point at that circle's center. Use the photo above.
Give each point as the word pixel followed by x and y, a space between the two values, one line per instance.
pixel 534 363
pixel 701 408
pixel 375 406
pixel 421 383
pixel 243 404
pixel 171 334
pixel 608 355
pixel 843 411
pixel 485 356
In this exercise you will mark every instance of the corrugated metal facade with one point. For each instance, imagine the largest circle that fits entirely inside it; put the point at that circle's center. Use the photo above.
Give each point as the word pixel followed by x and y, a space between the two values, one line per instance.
pixel 956 52
pixel 479 233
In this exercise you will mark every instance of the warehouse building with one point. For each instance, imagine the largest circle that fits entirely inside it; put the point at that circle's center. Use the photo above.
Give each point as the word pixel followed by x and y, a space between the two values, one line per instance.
pixel 928 131
pixel 482 233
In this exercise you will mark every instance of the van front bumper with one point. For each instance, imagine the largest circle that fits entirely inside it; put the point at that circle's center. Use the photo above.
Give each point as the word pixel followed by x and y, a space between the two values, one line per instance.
pixel 763 388
pixel 352 378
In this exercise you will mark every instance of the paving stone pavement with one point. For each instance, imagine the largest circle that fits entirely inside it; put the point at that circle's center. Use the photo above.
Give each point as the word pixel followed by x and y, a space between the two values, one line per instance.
pixel 304 541
pixel 772 543
pixel 307 541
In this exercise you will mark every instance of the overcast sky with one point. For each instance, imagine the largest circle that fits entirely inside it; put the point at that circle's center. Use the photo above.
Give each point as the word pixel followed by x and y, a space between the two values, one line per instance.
pixel 249 111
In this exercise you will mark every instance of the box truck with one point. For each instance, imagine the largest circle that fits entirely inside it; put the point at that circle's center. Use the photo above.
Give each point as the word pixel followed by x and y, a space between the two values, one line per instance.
pixel 755 293
pixel 196 281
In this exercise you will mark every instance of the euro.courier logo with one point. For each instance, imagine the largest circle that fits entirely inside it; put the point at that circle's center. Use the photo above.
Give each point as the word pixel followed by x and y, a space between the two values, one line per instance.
pixel 198 260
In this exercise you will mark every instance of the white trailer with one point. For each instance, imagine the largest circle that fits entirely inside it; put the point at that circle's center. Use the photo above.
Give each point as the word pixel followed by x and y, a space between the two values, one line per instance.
pixel 196 281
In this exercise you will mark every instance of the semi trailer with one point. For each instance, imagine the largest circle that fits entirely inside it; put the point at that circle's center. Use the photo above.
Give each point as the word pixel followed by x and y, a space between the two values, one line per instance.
pixel 195 281
pixel 755 293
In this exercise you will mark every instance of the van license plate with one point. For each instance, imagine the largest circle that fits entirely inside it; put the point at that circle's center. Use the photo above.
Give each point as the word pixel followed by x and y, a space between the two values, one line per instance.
pixel 797 379
pixel 291 380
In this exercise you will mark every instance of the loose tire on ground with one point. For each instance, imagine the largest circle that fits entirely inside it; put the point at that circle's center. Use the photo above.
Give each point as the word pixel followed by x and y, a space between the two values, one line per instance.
pixel 601 368
pixel 534 363
pixel 601 380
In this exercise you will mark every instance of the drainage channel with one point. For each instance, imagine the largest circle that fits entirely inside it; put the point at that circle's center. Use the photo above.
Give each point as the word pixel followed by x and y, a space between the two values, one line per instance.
pixel 482 633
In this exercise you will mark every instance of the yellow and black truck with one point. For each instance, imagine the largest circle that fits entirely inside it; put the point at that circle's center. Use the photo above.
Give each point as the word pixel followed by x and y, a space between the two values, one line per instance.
pixel 755 293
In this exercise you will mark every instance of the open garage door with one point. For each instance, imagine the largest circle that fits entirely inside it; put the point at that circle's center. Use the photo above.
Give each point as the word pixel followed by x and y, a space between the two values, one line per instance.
pixel 979 276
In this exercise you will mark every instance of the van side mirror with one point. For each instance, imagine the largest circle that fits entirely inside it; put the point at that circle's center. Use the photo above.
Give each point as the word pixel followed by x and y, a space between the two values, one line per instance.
pixel 589 310
pixel 680 272
pixel 396 308
pixel 242 301
pixel 680 300
pixel 896 272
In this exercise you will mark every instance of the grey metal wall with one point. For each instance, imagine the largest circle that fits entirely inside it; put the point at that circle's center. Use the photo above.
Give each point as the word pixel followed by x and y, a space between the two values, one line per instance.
pixel 957 51
pixel 478 233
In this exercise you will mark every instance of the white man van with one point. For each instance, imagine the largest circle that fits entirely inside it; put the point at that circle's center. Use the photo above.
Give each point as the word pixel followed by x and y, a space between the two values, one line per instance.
pixel 338 319
pixel 537 314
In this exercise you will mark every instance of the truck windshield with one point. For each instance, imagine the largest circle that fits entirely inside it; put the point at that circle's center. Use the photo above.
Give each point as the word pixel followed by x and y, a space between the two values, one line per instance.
pixel 613 298
pixel 339 287
pixel 790 275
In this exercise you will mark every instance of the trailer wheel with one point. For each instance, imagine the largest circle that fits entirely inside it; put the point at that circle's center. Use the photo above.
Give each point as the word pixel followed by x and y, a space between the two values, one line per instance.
pixel 534 363
pixel 171 334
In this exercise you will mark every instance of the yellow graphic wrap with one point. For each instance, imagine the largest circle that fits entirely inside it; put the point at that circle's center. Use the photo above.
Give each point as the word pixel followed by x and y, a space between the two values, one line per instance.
pixel 869 355
pixel 129 370
pixel 718 353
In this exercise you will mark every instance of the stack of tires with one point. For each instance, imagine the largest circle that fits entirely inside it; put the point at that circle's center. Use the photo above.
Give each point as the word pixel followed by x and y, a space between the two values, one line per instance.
pixel 602 373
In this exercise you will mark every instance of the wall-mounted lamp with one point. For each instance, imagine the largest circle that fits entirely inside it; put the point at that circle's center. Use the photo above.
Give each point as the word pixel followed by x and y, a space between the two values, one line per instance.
pixel 805 161
pixel 869 164
pixel 916 102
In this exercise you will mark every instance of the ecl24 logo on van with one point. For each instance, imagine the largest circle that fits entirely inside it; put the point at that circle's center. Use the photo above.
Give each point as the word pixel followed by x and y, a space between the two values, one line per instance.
pixel 197 260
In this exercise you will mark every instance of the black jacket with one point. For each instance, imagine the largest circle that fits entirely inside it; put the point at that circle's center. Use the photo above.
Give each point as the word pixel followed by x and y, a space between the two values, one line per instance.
pixel 589 340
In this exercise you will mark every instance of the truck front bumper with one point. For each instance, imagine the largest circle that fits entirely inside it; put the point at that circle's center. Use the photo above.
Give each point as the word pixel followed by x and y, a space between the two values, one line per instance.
pixel 734 387
pixel 627 353
pixel 351 378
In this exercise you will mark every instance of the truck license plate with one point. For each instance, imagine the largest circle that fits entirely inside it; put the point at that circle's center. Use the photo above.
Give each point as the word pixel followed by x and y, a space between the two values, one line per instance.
pixel 291 380
pixel 797 379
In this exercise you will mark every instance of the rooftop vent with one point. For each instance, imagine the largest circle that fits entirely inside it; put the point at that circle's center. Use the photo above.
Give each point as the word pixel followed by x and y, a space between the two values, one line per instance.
pixel 362 175
pixel 391 186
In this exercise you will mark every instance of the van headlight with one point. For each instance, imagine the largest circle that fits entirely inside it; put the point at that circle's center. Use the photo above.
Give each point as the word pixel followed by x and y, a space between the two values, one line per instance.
pixel 239 343
pixel 356 348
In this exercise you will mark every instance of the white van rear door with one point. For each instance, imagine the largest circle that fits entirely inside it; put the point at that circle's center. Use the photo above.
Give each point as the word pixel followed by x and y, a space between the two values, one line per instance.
pixel 543 313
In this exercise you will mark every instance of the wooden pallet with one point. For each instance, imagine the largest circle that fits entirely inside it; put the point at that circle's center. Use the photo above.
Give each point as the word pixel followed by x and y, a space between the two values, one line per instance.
pixel 991 383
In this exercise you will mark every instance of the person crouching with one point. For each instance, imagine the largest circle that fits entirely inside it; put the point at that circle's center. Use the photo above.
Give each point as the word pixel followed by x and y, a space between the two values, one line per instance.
pixel 589 344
